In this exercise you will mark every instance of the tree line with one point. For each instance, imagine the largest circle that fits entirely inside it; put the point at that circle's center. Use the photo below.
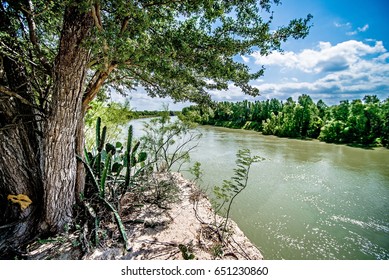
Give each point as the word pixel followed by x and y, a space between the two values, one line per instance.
pixel 359 122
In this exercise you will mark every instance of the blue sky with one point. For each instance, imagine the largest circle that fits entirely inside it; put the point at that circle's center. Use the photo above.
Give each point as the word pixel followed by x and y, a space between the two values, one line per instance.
pixel 345 56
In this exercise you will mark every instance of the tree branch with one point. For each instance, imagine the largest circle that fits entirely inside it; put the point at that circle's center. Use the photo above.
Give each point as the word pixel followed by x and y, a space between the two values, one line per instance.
pixel 97 16
pixel 13 55
pixel 29 14
pixel 124 25
pixel 144 79
pixel 161 3
pixel 96 83
pixel 32 12
pixel 11 93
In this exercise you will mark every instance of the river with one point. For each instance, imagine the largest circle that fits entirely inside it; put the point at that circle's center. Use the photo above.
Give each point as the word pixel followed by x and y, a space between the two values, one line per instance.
pixel 307 199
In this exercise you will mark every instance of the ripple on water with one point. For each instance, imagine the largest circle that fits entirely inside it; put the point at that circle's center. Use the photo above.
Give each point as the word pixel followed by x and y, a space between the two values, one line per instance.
pixel 365 225
pixel 367 247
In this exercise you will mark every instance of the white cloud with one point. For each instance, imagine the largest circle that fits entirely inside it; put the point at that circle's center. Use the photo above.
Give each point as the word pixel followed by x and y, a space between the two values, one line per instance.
pixel 350 69
pixel 348 26
pixel 358 30
pixel 233 94
pixel 364 28
pixel 340 25
pixel 351 33
pixel 326 58
pixel 382 58
pixel 246 59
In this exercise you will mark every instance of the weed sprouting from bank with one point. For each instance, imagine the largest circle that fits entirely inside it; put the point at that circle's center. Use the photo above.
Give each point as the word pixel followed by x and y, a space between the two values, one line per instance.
pixel 226 194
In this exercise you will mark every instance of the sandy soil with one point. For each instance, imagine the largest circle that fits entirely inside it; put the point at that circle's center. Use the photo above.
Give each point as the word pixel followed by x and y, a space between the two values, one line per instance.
pixel 185 229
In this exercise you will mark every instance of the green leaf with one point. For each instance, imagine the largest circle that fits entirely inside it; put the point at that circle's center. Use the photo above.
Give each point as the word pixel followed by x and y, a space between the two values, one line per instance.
pixel 142 156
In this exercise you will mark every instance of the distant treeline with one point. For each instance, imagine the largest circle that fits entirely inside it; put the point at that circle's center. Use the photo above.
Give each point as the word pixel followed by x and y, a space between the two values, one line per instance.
pixel 360 122
pixel 147 114
pixel 117 113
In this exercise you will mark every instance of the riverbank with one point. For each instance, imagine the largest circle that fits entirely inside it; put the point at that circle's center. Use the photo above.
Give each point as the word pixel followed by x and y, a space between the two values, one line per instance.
pixel 184 230
pixel 255 128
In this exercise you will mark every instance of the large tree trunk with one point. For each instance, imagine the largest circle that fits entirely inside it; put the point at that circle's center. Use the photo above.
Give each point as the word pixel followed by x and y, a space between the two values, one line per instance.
pixel 38 154
pixel 19 155
pixel 63 123
pixel 19 174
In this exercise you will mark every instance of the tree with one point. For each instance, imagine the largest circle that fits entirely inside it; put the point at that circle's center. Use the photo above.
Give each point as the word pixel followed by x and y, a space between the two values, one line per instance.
pixel 307 115
pixel 385 123
pixel 322 107
pixel 374 119
pixel 356 124
pixel 289 125
pixel 340 112
pixel 57 55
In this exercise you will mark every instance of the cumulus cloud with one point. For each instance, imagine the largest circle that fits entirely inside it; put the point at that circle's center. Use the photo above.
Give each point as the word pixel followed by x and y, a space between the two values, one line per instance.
pixel 349 69
pixel 233 94
pixel 323 59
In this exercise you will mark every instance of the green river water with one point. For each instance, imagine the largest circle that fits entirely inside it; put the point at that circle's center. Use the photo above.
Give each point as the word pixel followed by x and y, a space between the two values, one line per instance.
pixel 308 199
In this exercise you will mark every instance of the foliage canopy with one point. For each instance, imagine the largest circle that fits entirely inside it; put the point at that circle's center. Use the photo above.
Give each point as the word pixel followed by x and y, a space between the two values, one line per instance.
pixel 171 48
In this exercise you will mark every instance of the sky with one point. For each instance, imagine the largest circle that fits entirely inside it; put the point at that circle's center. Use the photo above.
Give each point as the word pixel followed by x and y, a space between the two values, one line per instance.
pixel 345 56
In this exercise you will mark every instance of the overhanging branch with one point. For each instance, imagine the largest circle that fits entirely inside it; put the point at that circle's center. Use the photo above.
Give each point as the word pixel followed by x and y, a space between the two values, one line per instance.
pixel 96 83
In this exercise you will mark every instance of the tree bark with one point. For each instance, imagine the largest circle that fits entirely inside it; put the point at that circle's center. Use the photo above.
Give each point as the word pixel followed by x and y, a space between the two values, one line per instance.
pixel 19 154
pixel 60 140
pixel 19 174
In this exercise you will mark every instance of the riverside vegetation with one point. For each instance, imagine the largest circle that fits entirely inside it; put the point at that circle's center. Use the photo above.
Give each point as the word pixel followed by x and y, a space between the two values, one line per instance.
pixel 359 122
pixel 126 178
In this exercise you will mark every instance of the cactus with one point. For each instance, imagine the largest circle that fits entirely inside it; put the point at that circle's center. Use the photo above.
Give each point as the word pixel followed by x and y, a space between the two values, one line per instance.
pixel 133 153
pixel 100 139
pixel 107 168
pixel 98 125
pixel 142 156
pixel 101 171
pixel 186 252
pixel 128 157
pixel 110 148
pixel 106 163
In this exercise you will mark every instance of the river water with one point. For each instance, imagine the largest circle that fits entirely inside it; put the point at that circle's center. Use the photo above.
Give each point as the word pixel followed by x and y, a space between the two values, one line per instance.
pixel 307 199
